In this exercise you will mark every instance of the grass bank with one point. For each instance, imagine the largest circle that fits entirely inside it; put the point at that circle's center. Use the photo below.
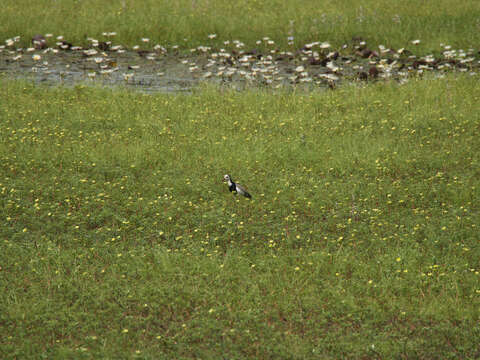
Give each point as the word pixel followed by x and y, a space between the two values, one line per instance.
pixel 188 23
pixel 118 238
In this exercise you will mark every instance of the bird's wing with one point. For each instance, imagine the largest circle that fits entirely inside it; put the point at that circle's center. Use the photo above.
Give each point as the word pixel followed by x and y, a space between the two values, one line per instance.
pixel 240 188
pixel 242 191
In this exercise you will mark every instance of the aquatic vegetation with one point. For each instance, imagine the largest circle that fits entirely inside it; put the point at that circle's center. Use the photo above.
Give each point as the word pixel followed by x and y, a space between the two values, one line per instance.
pixel 315 65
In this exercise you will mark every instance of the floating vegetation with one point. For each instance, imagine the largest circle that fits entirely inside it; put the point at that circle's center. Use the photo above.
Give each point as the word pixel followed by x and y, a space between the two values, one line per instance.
pixel 315 64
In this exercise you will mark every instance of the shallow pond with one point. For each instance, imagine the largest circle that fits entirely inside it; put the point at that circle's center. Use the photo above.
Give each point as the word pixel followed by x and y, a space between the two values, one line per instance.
pixel 316 65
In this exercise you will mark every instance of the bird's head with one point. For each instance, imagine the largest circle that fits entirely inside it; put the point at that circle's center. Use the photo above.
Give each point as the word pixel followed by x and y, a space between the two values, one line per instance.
pixel 226 178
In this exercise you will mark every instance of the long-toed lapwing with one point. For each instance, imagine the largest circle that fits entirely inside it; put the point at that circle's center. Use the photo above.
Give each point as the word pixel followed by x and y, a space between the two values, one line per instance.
pixel 236 188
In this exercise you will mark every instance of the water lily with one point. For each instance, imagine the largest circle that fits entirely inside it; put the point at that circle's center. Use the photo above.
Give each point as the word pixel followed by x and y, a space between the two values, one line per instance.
pixel 311 45
pixel 159 48
pixel 90 52
pixel 329 77
pixel 331 65
pixel 300 69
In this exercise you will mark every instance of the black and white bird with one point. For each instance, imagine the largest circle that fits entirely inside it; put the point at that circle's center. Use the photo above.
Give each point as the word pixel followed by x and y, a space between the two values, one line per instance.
pixel 236 188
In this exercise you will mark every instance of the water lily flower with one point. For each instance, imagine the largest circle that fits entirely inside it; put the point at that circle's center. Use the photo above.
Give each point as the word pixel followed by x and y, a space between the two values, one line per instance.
pixel 159 48
pixel 331 65
pixel 311 45
pixel 90 52
pixel 329 77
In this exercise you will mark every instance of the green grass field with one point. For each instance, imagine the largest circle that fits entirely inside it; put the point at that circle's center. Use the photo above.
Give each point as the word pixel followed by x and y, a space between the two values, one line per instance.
pixel 188 22
pixel 119 239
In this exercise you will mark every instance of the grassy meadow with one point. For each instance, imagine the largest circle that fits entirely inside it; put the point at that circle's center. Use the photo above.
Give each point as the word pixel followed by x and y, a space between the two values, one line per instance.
pixel 119 239
pixel 188 23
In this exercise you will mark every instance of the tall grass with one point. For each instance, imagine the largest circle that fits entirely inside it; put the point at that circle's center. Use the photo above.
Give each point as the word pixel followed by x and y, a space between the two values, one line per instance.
pixel 118 238
pixel 188 22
